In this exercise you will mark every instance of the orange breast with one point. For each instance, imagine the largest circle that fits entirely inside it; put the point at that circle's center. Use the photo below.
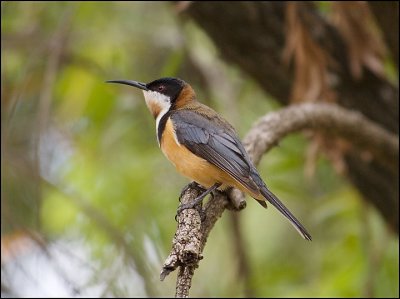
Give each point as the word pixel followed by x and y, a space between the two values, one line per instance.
pixel 190 165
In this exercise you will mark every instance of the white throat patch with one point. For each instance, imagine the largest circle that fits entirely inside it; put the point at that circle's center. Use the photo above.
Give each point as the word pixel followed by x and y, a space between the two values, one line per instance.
pixel 156 100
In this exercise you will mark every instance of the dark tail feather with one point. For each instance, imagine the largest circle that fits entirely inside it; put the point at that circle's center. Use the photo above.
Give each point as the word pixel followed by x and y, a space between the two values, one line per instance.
pixel 281 208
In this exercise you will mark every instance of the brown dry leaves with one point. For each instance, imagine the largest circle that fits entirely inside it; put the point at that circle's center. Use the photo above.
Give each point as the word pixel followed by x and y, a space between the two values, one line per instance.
pixel 310 60
pixel 314 67
pixel 355 22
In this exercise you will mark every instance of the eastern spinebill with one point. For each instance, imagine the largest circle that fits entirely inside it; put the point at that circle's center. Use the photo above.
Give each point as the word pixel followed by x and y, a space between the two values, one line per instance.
pixel 202 145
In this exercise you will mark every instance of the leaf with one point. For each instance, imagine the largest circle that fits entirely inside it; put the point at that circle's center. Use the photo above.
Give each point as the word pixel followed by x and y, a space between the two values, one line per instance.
pixel 311 78
pixel 355 23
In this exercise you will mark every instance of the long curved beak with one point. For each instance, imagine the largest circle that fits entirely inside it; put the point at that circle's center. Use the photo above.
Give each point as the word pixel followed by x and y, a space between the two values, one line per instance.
pixel 131 83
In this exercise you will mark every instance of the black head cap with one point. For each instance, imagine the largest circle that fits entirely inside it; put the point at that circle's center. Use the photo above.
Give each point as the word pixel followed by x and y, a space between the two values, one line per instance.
pixel 170 87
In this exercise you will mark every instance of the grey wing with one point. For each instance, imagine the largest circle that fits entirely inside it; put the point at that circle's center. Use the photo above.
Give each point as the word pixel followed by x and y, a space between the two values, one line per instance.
pixel 218 145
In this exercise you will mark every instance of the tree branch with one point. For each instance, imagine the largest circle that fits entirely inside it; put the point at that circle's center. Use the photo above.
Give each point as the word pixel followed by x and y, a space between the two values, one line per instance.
pixel 191 237
pixel 185 249
pixel 194 225
pixel 330 119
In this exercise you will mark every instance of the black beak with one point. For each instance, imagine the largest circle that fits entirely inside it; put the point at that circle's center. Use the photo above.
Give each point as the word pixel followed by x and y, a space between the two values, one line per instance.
pixel 131 83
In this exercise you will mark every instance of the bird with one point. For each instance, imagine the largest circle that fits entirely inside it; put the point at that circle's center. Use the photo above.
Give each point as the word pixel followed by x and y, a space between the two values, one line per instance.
pixel 202 145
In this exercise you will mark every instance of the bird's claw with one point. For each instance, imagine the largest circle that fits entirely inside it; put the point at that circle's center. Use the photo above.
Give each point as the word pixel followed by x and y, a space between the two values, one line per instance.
pixel 192 185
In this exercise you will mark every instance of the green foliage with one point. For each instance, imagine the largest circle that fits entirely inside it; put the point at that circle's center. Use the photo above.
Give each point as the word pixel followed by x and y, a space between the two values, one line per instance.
pixel 104 180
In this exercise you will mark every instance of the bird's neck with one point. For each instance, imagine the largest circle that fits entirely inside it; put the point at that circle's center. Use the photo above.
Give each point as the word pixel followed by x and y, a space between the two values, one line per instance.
pixel 186 97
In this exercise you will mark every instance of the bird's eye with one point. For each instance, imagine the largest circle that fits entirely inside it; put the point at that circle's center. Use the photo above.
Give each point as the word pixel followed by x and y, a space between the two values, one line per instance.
pixel 161 88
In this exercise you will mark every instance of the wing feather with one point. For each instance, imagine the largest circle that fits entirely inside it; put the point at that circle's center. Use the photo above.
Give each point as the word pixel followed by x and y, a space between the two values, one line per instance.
pixel 218 145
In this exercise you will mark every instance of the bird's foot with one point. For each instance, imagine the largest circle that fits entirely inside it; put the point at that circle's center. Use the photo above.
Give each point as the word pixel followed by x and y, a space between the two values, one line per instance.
pixel 192 185
pixel 192 204
pixel 197 200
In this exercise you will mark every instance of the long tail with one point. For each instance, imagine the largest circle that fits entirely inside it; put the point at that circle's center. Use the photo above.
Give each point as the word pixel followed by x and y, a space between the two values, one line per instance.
pixel 281 208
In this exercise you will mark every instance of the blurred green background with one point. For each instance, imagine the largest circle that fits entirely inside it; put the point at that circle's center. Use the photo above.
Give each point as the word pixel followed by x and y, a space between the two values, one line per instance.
pixel 88 199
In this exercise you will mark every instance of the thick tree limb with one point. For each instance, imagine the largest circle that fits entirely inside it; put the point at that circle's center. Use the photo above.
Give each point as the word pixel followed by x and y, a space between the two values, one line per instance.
pixel 194 225
pixel 251 35
pixel 330 119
